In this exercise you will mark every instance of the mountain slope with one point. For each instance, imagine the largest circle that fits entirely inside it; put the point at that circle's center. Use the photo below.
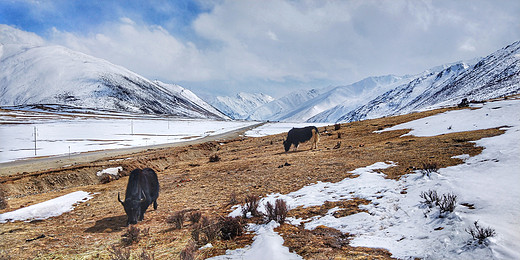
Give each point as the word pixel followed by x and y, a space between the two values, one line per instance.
pixel 39 74
pixel 493 76
pixel 241 105
pixel 277 109
pixel 352 95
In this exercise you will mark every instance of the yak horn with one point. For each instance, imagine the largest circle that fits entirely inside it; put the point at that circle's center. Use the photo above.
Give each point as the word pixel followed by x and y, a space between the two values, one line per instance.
pixel 144 196
pixel 119 199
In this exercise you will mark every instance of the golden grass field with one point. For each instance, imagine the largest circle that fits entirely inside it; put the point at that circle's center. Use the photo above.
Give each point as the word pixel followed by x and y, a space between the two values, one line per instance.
pixel 189 181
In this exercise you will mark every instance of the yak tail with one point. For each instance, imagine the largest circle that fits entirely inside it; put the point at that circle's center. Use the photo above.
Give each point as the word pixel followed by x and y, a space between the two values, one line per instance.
pixel 315 138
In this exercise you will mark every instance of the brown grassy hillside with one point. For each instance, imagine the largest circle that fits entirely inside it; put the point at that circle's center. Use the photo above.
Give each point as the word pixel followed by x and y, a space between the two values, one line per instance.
pixel 190 182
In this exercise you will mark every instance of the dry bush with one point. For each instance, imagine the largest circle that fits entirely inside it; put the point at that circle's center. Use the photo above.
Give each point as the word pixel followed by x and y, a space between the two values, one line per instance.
pixel 209 228
pixel 431 198
pixel 214 158
pixel 428 168
pixel 131 236
pixel 447 203
pixel 480 233
pixel 278 212
pixel 119 253
pixel 189 252
pixel 230 227
pixel 339 135
pixel 195 217
pixel 177 219
pixel 251 205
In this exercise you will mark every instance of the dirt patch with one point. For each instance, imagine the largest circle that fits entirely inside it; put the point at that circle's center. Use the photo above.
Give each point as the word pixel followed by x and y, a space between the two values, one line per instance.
pixel 246 166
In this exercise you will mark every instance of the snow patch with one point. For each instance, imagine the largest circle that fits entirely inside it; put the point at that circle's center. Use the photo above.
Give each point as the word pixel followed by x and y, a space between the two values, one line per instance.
pixel 47 209
pixel 112 171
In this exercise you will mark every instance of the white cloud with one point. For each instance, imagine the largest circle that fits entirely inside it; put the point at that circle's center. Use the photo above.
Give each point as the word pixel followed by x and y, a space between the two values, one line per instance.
pixel 148 50
pixel 334 42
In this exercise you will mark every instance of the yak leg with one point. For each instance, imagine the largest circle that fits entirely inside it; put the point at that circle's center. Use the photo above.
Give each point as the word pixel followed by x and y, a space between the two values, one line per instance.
pixel 155 205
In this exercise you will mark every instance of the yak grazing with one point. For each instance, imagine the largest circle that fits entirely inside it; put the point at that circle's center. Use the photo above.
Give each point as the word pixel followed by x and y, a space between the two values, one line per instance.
pixel 296 136
pixel 141 191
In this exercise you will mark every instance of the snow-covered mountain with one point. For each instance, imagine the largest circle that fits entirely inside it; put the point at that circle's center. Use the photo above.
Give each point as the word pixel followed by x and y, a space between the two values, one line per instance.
pixel 35 73
pixel 241 105
pixel 277 109
pixel 352 95
pixel 493 76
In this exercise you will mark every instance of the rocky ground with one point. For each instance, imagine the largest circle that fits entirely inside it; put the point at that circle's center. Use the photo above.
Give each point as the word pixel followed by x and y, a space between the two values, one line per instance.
pixel 190 182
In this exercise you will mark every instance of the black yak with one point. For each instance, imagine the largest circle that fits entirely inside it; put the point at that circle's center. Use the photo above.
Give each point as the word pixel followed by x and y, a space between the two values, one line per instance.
pixel 296 136
pixel 141 191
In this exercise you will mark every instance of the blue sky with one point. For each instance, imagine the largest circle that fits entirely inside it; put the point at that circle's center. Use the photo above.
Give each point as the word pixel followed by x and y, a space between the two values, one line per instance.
pixel 270 46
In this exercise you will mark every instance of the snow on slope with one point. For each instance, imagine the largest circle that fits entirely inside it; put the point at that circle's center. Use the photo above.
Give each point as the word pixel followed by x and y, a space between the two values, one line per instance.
pixel 47 209
pixel 493 76
pixel 241 105
pixel 277 109
pixel 33 73
pixel 398 221
pixel 350 96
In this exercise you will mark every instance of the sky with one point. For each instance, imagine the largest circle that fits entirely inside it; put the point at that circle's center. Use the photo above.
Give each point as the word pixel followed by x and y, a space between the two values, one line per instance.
pixel 273 47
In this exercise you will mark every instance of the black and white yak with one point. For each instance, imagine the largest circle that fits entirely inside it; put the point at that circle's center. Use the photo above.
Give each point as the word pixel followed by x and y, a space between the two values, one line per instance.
pixel 141 191
pixel 296 136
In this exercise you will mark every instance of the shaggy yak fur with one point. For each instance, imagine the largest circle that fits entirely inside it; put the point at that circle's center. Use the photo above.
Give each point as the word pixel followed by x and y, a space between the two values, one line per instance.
pixel 296 136
pixel 141 191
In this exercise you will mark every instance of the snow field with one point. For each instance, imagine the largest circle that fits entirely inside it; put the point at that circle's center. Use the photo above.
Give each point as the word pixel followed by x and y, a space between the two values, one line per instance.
pixel 61 137
pixel 400 223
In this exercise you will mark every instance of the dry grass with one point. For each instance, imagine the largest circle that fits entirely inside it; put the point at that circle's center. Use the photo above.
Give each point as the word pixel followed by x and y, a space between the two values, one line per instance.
pixel 247 166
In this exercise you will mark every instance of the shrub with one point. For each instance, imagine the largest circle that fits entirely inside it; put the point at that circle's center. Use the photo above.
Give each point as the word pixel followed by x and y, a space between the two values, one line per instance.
pixel 447 203
pixel 479 233
pixel 189 252
pixel 118 253
pixel 214 158
pixel 278 212
pixel 230 227
pixel 337 127
pixel 131 236
pixel 209 228
pixel 195 217
pixel 431 199
pixel 251 205
pixel 428 168
pixel 177 219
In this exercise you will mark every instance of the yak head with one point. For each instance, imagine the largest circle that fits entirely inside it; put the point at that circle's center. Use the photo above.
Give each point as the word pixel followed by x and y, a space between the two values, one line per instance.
pixel 286 145
pixel 133 208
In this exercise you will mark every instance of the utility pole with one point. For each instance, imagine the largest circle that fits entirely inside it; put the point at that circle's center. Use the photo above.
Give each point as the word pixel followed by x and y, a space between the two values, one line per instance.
pixel 35 140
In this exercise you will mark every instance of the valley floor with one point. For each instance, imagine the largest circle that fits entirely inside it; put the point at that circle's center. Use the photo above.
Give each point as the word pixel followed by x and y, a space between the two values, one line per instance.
pixel 257 166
